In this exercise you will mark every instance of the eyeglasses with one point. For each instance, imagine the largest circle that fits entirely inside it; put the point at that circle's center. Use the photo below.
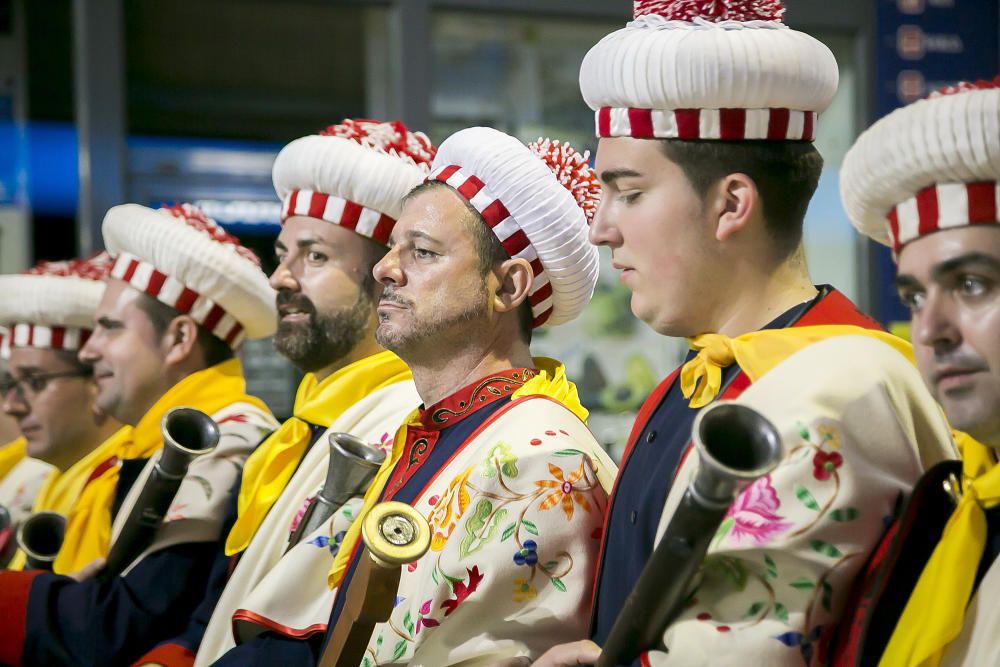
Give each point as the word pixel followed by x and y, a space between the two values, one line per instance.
pixel 32 385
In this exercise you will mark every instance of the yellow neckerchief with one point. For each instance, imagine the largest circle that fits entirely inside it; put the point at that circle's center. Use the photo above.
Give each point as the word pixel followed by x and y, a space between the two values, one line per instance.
pixel 61 489
pixel 88 530
pixel 935 610
pixel 11 454
pixel 758 352
pixel 551 381
pixel 271 466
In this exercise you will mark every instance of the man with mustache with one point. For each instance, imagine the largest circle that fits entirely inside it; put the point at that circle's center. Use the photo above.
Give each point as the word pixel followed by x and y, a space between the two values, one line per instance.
pixel 340 192
pixel 706 112
pixel 50 312
pixel 930 597
pixel 181 296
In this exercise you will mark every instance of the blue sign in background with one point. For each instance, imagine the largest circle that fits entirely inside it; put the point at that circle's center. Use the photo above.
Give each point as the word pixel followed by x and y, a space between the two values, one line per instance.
pixel 922 45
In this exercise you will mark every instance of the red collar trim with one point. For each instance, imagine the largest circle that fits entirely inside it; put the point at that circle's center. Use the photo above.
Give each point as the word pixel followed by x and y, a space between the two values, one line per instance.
pixel 472 397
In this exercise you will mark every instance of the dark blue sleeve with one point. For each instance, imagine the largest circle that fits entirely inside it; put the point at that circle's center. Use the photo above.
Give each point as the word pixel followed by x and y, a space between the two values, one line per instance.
pixel 270 649
pixel 106 623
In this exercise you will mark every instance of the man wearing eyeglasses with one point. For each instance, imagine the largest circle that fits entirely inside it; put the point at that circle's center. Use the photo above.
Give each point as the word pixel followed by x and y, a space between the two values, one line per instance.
pixel 46 389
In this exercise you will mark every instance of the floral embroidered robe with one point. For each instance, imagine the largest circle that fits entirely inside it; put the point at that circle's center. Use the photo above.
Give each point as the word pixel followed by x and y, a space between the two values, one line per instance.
pixel 858 430
pixel 18 490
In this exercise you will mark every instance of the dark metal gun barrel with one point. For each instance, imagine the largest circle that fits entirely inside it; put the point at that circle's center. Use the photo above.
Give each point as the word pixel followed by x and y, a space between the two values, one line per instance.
pixel 40 537
pixel 735 445
pixel 187 434
pixel 352 467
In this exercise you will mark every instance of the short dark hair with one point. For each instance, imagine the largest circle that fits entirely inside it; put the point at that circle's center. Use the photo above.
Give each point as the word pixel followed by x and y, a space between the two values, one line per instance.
pixel 786 174
pixel 488 248
pixel 160 315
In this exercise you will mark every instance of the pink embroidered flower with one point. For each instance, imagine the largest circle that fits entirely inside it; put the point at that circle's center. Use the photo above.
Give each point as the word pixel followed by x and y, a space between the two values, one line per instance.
pixel 824 463
pixel 297 519
pixel 754 513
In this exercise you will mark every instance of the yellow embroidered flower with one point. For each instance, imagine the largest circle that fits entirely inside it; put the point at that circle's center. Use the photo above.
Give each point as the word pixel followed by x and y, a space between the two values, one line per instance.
pixel 828 435
pixel 447 510
pixel 564 492
pixel 523 590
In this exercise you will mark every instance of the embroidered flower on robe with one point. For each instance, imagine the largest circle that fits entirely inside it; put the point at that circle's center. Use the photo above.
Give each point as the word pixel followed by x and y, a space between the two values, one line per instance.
pixel 754 513
pixel 523 590
pixel 527 554
pixel 462 591
pixel 824 463
pixel 448 509
pixel 564 492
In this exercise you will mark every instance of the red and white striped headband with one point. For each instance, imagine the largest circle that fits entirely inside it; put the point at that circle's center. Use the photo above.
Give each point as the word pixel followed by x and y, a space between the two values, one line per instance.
pixel 511 235
pixel 723 124
pixel 146 278
pixel 943 206
pixel 365 221
pixel 24 334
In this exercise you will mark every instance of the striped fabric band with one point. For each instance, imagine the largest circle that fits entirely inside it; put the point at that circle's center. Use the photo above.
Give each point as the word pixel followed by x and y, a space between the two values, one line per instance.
pixel 943 206
pixel 724 124
pixel 365 221
pixel 146 278
pixel 52 338
pixel 511 236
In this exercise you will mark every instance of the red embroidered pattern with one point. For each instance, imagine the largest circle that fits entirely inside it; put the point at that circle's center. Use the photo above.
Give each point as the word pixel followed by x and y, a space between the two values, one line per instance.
pixel 95 267
pixel 572 170
pixel 390 138
pixel 711 10
pixel 197 219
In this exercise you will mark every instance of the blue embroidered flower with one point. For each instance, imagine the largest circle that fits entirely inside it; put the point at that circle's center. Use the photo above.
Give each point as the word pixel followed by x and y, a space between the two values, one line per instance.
pixel 324 541
pixel 806 644
pixel 528 554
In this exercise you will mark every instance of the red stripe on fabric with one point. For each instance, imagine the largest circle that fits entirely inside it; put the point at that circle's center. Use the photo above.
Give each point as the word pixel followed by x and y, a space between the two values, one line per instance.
pixel 351 215
pixel 16 587
pixel 516 242
pixel 168 655
pixel 777 123
pixel 688 123
pixel 130 270
pixel 155 284
pixel 447 172
pixel 495 213
pixel 233 333
pixel 247 616
pixel 317 205
pixel 604 122
pixel 541 319
pixel 58 337
pixel 640 123
pixel 383 229
pixel 982 202
pixel 213 318
pixel 894 229
pixel 31 335
pixel 102 468
pixel 732 123
pixel 471 187
pixel 186 300
pixel 291 204
pixel 807 126
pixel 536 267
pixel 540 294
pixel 84 336
pixel 927 211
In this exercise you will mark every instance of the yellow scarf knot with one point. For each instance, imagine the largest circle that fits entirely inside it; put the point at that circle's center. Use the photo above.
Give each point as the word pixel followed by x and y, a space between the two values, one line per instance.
pixel 701 377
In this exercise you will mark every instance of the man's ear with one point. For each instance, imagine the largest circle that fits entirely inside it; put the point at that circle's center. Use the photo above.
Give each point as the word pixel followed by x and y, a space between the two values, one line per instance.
pixel 179 339
pixel 514 278
pixel 738 201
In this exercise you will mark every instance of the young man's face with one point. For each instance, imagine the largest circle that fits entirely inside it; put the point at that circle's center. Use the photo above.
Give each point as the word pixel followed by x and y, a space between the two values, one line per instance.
pixel 659 236
pixel 326 295
pixel 53 403
pixel 127 354
pixel 951 282
pixel 434 296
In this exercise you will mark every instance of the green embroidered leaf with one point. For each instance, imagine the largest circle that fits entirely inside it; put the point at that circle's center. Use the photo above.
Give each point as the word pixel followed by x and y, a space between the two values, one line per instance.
pixel 803 431
pixel 408 622
pixel 845 514
pixel 730 568
pixel 550 565
pixel 827 594
pixel 772 568
pixel 366 662
pixel 493 390
pixel 802 584
pixel 348 513
pixel 477 537
pixel 530 527
pixel 509 469
pixel 434 576
pixel 507 532
pixel 825 548
pixel 806 498
pixel 500 455
pixel 754 609
pixel 724 528
pixel 206 486
pixel 399 650
pixel 378 643
pixel 781 611
pixel 568 452
pixel 558 583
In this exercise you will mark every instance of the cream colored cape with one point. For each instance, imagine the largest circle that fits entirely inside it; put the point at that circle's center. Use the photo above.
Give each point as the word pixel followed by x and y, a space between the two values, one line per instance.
pixel 516 517
pixel 979 642
pixel 199 508
pixel 21 485
pixel 858 429
pixel 265 587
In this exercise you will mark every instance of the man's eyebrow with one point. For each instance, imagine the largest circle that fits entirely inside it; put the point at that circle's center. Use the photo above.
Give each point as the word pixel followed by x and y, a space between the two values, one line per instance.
pixel 278 245
pixel 107 322
pixel 611 175
pixel 417 234
pixel 963 261
pixel 29 370
pixel 903 281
